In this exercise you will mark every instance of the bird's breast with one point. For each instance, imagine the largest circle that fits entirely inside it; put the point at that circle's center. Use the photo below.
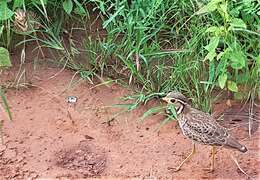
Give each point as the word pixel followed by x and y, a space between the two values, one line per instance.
pixel 182 121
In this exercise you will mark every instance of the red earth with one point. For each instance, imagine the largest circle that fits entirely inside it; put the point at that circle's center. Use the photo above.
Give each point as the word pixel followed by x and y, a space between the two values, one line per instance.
pixel 49 138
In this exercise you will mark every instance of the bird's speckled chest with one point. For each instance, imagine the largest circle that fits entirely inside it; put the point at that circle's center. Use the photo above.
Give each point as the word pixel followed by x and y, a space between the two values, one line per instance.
pixel 182 121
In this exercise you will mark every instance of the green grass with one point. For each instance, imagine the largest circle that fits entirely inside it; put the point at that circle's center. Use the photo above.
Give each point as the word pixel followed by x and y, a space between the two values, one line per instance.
pixel 191 47
pixel 3 106
pixel 196 47
pixel 4 103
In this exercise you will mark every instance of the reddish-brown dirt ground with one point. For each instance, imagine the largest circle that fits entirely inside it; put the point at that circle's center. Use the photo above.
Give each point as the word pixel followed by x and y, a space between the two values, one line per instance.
pixel 48 138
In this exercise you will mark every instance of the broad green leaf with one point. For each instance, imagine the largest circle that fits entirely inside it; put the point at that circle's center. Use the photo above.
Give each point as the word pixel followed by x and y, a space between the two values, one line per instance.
pixel 67 6
pixel 211 55
pixel 79 9
pixel 221 68
pixel 232 86
pixel 220 55
pixel 222 79
pixel 212 29
pixel 238 60
pixel 237 23
pixel 210 7
pixel 213 44
pixel 206 9
pixel 4 58
pixel 217 31
pixel 223 10
pixel 5 12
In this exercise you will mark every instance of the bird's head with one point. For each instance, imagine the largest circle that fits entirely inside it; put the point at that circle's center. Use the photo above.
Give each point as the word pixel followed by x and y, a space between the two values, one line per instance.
pixel 177 99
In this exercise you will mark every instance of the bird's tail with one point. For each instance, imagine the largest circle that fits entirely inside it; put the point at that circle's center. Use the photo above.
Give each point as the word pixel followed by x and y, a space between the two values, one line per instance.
pixel 233 143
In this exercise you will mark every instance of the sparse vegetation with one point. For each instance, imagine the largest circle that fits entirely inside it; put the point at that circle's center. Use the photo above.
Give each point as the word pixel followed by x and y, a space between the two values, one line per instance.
pixel 155 46
pixel 187 46
pixel 208 50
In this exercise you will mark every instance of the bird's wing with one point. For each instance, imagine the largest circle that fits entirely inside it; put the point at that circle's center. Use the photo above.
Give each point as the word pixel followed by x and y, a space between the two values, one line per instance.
pixel 202 127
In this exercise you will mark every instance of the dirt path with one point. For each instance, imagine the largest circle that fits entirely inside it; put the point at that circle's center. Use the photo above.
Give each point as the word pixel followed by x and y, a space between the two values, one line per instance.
pixel 48 138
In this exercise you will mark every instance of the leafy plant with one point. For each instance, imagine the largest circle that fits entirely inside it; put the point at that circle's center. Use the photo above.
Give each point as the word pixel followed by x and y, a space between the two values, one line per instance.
pixel 4 58
pixel 233 47
pixel 43 13
pixel 192 47
pixel 155 46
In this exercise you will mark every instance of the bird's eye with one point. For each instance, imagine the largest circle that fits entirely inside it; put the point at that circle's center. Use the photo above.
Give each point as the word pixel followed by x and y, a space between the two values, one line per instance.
pixel 173 100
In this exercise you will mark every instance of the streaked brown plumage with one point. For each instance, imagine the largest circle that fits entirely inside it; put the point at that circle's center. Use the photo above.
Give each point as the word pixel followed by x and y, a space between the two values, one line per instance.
pixel 201 127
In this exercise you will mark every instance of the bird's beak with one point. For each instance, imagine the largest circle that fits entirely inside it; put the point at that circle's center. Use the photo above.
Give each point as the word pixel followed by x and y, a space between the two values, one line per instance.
pixel 165 99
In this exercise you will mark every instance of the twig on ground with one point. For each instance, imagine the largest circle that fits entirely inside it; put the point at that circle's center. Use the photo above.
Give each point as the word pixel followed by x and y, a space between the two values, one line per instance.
pixel 238 166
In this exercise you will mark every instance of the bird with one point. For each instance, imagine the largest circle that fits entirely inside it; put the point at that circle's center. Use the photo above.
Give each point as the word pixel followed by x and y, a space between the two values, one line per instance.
pixel 200 127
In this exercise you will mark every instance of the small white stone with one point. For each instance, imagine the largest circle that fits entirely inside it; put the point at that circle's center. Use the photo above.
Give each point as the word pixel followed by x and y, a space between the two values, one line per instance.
pixel 72 99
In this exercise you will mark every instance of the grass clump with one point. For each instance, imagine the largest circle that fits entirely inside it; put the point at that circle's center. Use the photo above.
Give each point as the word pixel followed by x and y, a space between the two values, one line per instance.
pixel 194 47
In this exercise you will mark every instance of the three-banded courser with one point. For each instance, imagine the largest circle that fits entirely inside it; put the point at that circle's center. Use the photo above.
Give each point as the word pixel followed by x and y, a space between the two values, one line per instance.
pixel 200 127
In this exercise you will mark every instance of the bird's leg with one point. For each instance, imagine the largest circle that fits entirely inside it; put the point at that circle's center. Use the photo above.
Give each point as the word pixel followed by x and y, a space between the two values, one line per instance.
pixel 187 158
pixel 213 158
pixel 213 151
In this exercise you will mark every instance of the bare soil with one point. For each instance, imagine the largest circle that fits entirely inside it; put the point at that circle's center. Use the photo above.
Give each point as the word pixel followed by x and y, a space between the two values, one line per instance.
pixel 50 138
